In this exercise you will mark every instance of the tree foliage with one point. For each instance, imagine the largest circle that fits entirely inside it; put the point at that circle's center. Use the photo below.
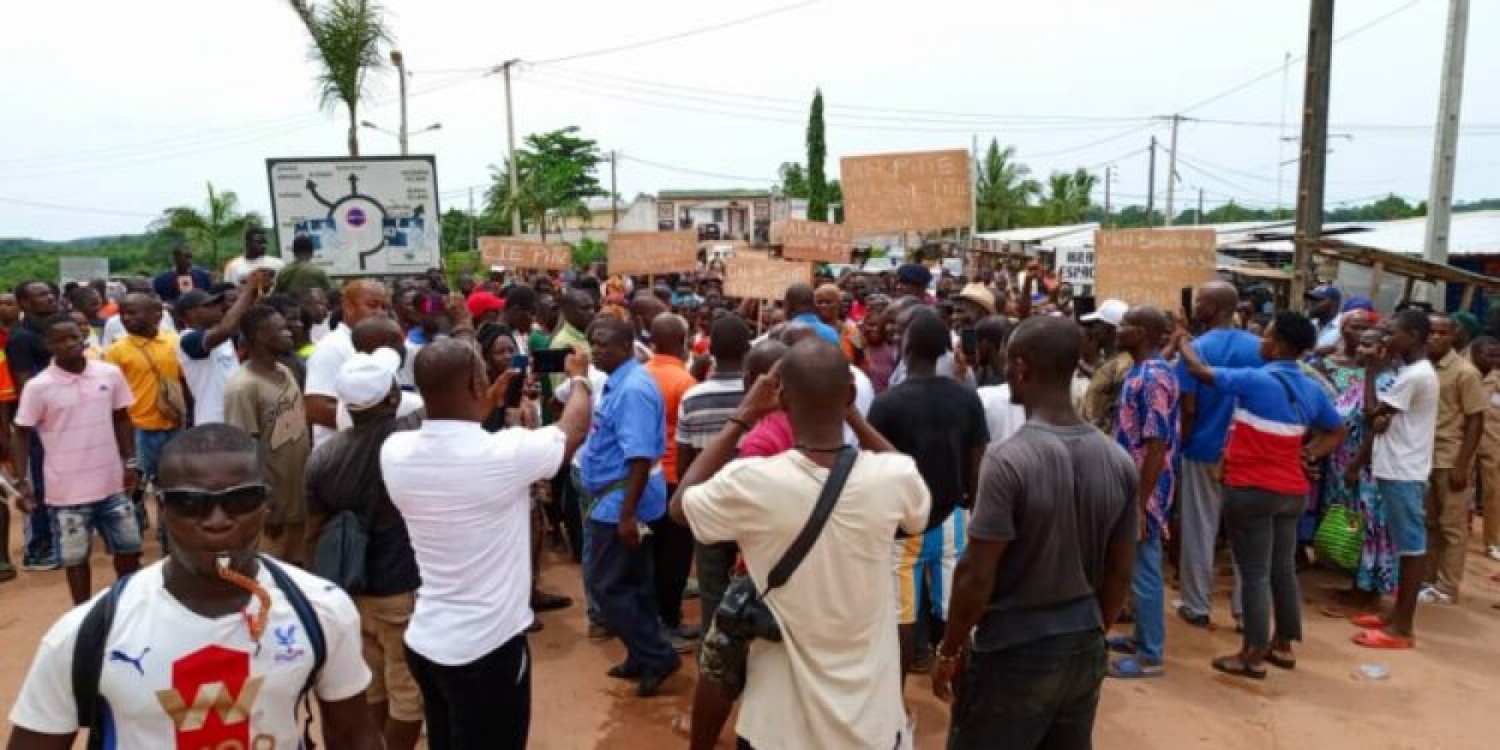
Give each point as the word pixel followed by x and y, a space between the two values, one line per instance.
pixel 1005 190
pixel 557 176
pixel 220 221
pixel 1067 199
pixel 349 39
pixel 817 153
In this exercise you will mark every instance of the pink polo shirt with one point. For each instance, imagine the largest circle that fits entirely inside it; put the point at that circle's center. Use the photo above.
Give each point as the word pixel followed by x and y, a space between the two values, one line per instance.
pixel 74 417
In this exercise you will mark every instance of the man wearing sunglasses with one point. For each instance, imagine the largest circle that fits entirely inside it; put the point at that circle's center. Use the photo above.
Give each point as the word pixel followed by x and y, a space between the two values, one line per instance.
pixel 205 649
pixel 78 408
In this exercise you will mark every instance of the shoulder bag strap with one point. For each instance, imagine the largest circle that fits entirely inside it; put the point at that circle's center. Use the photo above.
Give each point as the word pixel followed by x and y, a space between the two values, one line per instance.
pixel 88 661
pixel 832 488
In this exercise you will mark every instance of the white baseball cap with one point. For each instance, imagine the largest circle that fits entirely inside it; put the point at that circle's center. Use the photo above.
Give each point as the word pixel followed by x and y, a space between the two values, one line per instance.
pixel 367 379
pixel 1111 311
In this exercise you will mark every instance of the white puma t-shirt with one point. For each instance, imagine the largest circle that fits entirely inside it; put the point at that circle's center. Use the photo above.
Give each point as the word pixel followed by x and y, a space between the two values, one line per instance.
pixel 175 679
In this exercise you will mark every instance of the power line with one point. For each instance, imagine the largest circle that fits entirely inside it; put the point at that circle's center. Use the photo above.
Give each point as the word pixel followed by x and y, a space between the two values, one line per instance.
pixel 78 209
pixel 686 170
pixel 1296 58
pixel 679 35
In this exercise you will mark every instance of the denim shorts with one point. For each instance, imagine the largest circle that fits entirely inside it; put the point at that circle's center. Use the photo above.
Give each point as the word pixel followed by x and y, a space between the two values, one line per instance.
pixel 1405 516
pixel 114 519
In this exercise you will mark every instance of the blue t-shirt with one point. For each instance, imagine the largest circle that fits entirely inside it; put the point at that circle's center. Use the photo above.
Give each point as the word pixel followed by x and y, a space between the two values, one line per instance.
pixel 822 329
pixel 630 421
pixel 1221 347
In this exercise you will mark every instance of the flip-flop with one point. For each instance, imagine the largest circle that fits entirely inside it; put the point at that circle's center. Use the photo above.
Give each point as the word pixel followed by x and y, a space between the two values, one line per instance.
pixel 1235 666
pixel 1377 638
pixel 1121 644
pixel 1368 621
pixel 1132 668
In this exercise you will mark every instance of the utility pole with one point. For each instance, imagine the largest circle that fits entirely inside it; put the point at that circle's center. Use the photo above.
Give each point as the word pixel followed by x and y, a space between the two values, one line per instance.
pixel 472 220
pixel 1312 167
pixel 1172 172
pixel 1198 217
pixel 1109 176
pixel 614 197
pixel 510 138
pixel 1445 146
pixel 400 63
pixel 1151 183
pixel 973 187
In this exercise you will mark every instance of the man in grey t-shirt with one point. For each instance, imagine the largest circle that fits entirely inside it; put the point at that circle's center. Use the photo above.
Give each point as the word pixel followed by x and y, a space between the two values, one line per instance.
pixel 1051 547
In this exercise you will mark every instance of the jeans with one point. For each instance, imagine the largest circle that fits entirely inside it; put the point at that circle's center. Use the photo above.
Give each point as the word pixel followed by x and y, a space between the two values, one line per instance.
pixel 1149 592
pixel 671 561
pixel 1037 695
pixel 148 446
pixel 114 519
pixel 622 580
pixel 39 532
pixel 483 704
pixel 1202 503
pixel 586 544
pixel 1262 529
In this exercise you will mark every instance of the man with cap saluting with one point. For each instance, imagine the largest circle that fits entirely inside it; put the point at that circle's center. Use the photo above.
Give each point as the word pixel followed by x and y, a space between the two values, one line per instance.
pixel 205 349
pixel 1103 395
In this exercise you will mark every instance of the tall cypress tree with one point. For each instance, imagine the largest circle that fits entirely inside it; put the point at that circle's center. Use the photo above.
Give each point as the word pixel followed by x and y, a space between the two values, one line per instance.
pixel 817 152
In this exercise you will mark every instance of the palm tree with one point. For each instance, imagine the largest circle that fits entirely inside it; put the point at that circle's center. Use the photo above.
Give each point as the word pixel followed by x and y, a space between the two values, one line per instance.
pixel 205 229
pixel 1067 198
pixel 347 41
pixel 1005 191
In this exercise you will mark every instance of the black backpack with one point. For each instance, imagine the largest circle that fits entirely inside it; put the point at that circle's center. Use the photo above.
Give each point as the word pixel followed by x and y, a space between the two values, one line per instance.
pixel 93 636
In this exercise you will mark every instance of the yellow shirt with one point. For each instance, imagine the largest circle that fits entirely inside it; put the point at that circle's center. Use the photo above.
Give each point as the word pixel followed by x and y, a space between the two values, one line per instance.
pixel 130 355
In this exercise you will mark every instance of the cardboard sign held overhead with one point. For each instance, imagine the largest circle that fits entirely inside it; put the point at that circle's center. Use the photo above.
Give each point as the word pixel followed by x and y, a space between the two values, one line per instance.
pixel 1152 266
pixel 754 277
pixel 816 241
pixel 908 192
pixel 646 253
pixel 533 256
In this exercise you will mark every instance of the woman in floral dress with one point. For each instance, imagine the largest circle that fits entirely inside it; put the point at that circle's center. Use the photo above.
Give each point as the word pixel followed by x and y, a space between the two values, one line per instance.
pixel 1376 572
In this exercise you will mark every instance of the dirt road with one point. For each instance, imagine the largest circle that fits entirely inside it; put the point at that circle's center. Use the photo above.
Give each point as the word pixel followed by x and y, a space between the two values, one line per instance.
pixel 1444 696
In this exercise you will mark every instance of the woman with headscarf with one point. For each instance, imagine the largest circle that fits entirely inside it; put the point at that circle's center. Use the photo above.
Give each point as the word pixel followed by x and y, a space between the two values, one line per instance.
pixel 1345 367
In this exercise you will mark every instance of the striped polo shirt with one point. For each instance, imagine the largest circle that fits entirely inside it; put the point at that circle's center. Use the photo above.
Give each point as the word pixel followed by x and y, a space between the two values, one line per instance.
pixel 707 406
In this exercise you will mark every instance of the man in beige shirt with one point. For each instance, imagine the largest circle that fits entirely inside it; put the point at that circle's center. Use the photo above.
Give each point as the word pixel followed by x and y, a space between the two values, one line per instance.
pixel 1485 353
pixel 1462 402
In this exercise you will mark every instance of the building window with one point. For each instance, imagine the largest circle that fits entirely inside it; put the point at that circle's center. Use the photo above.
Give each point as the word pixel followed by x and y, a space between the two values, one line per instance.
pixel 718 215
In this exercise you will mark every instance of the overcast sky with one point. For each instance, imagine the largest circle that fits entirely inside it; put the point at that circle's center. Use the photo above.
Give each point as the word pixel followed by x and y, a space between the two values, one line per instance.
pixel 114 111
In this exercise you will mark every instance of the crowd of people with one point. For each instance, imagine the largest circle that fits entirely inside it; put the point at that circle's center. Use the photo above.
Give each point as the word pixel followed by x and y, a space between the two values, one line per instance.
pixel 876 475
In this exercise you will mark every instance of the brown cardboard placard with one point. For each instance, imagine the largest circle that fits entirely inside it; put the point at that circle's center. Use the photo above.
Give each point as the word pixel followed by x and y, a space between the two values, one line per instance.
pixel 917 191
pixel 636 253
pixel 524 254
pixel 816 241
pixel 755 277
pixel 1152 266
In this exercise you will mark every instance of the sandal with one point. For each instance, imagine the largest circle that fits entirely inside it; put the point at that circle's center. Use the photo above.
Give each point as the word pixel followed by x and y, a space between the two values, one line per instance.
pixel 1235 665
pixel 1368 621
pixel 1135 668
pixel 1121 644
pixel 1280 660
pixel 1377 638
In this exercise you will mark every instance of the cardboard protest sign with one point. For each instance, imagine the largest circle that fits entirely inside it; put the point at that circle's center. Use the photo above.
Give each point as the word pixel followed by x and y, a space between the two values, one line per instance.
pixel 816 241
pixel 522 254
pixel 1152 266
pixel 749 276
pixel 906 192
pixel 647 253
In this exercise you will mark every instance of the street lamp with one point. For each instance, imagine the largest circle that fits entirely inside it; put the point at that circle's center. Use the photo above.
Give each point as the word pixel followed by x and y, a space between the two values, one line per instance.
pixel 397 134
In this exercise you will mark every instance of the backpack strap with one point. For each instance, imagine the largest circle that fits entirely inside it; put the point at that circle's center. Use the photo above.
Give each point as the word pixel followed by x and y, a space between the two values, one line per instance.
pixel 310 625
pixel 832 488
pixel 88 661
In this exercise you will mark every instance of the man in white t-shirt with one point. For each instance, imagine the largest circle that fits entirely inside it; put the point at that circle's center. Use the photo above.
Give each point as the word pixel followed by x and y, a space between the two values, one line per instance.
pixel 205 350
pixel 238 270
pixel 835 679
pixel 466 641
pixel 194 658
pixel 1405 426
pixel 363 298
pixel 1001 416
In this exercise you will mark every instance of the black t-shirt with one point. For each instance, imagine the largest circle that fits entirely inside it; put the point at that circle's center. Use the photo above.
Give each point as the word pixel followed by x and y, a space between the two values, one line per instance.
pixel 26 351
pixel 344 474
pixel 937 421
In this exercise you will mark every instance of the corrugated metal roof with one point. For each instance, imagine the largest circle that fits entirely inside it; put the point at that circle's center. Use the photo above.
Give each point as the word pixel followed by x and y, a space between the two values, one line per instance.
pixel 1471 233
